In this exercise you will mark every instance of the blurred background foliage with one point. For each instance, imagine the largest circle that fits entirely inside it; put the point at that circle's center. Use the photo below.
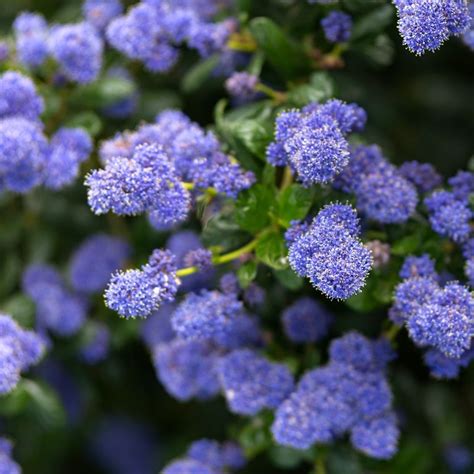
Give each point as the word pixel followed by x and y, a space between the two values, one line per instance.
pixel 418 108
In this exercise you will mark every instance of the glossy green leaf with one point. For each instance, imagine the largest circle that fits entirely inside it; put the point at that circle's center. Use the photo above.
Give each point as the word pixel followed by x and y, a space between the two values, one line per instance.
pixel 252 208
pixel 247 273
pixel 294 202
pixel 271 250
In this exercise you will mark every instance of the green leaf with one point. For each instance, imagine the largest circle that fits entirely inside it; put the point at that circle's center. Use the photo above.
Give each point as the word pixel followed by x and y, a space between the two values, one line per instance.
pixel 254 135
pixel 373 22
pixel 21 308
pixel 283 53
pixel 285 457
pixel 406 245
pixel 294 202
pixel 319 89
pixel 289 279
pixel 252 208
pixel 198 74
pixel 379 51
pixel 44 404
pixel 101 93
pixel 222 231
pixel 255 437
pixel 14 402
pixel 89 121
pixel 271 250
pixel 247 273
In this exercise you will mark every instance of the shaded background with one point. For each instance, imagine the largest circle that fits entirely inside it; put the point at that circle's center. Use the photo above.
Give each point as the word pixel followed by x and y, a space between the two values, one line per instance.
pixel 419 108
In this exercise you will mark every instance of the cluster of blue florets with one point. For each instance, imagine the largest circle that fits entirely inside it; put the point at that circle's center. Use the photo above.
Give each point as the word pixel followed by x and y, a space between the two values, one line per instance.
pixel 331 254
pixel 7 464
pixel 207 456
pixel 19 350
pixel 426 24
pixel 313 141
pixel 438 317
pixel 27 158
pixel 337 27
pixel 151 31
pixel 349 394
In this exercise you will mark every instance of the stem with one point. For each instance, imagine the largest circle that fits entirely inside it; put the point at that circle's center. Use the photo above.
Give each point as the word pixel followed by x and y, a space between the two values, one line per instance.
pixel 275 95
pixel 320 468
pixel 220 259
pixel 190 186
pixel 287 178
pixel 242 42
pixel 392 332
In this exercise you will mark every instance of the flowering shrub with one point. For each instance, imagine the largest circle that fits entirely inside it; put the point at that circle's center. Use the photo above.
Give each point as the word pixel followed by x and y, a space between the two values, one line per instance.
pixel 208 265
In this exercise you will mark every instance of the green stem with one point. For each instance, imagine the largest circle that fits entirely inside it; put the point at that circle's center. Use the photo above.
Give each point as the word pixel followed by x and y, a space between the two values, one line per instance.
pixel 272 93
pixel 392 332
pixel 220 259
pixel 287 178
pixel 242 42
pixel 320 468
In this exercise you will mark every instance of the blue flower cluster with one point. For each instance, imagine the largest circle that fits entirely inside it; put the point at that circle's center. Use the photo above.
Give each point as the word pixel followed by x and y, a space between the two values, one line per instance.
pixel 146 182
pixel 31 36
pixel 426 24
pixel 151 31
pixel 241 85
pixel 57 308
pixel 435 316
pixel 207 456
pixel 450 215
pixel 468 36
pixel 251 383
pixel 306 320
pixel 95 347
pixel 19 350
pixel 313 141
pixel 100 13
pixel 95 260
pixel 349 394
pixel 138 293
pixel 383 193
pixel 27 159
pixel 423 175
pixel 7 464
pixel 331 254
pixel 337 27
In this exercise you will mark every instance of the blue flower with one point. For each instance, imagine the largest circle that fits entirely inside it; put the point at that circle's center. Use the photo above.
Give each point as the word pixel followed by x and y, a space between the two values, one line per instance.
pixel 69 147
pixel 250 383
pixel 443 367
pixel 423 175
pixel 31 39
pixel 241 85
pixel 96 345
pixel 18 97
pixel 78 50
pixel 95 260
pixel 337 27
pixel 422 266
pixel 138 293
pixel 100 13
pixel 7 464
pixel 24 154
pixel 306 320
pixel 187 369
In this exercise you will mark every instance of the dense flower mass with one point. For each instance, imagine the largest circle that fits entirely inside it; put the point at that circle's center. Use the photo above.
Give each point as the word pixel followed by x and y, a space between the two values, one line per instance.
pixel 197 168
pixel 19 350
pixel 425 24
pixel 330 253
pixel 349 394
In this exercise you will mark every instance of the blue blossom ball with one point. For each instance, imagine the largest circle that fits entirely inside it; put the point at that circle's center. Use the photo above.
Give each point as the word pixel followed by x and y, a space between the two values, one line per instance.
pixel 422 266
pixel 31 39
pixel 423 175
pixel 337 27
pixel 78 49
pixel 250 383
pixel 100 13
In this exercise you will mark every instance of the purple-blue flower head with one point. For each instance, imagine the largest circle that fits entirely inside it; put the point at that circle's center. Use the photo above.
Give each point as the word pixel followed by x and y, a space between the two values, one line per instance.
pixel 100 13
pixel 23 154
pixel 68 148
pixel 306 320
pixel 78 49
pixel 446 321
pixel 31 35
pixel 137 293
pixel 18 97
pixel 187 466
pixel 96 345
pixel 187 369
pixel 462 184
pixel 157 329
pixel 7 464
pixel 443 367
pixel 216 455
pixel 425 25
pixel 241 85
pixel 19 349
pixel 422 266
pixel 95 260
pixel 349 117
pixel 209 314
pixel 251 383
pixel 423 175
pixel 337 27
pixel 449 217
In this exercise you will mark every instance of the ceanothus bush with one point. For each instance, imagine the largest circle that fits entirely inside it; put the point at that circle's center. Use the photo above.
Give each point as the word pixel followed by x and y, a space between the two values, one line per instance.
pixel 236 236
